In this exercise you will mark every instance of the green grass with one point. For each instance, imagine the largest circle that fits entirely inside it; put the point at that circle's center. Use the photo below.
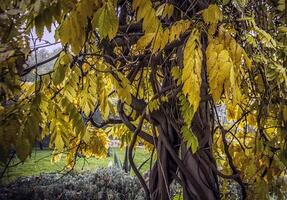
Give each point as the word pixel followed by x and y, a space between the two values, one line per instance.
pixel 39 162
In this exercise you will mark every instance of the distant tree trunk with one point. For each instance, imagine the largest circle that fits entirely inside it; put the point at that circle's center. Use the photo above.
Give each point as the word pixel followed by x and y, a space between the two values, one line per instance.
pixel 126 167
pixel 41 145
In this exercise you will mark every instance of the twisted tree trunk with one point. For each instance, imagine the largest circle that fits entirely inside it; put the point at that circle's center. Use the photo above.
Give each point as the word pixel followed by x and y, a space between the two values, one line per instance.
pixel 196 175
pixel 198 179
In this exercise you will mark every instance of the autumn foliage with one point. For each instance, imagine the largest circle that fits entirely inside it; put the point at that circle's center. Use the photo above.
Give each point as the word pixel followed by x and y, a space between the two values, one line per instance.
pixel 157 72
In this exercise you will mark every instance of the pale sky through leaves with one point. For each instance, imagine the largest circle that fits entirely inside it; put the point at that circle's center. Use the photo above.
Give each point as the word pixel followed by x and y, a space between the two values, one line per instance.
pixel 47 37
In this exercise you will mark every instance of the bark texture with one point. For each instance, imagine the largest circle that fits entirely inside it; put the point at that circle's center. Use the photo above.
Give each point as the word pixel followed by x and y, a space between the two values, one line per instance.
pixel 175 161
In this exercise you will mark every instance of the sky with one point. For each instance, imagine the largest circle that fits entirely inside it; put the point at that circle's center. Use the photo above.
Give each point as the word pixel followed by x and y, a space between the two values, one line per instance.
pixel 47 36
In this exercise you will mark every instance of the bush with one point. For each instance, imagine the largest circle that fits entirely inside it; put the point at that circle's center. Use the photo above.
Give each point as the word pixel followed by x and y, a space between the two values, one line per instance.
pixel 104 184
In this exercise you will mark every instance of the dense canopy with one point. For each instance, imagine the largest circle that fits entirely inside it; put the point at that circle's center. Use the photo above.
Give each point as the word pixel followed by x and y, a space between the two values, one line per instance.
pixel 201 82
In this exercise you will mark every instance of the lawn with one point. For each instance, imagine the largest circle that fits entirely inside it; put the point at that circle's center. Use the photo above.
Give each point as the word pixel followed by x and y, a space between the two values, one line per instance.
pixel 39 162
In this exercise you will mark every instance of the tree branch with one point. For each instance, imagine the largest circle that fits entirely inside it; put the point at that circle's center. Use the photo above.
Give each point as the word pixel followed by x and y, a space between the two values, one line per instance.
pixel 29 69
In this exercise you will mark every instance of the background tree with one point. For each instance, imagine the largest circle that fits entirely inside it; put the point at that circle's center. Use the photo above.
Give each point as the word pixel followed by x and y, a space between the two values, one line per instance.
pixel 159 68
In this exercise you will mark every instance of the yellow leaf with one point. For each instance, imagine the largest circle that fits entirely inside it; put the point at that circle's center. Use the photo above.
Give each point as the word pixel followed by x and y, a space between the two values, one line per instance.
pixel 156 44
pixel 191 73
pixel 285 113
pixel 221 72
pixel 178 28
pixel 212 14
pixel 59 143
pixel 105 20
pixel 164 38
pixel 164 10
pixel 145 40
pixel 56 156
pixel 104 107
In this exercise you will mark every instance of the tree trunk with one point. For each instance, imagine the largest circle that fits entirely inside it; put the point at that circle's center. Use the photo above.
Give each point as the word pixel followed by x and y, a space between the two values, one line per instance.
pixel 199 164
pixel 195 170
pixel 196 175
pixel 164 170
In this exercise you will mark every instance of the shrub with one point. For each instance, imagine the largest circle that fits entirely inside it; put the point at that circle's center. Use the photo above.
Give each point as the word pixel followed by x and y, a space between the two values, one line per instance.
pixel 103 184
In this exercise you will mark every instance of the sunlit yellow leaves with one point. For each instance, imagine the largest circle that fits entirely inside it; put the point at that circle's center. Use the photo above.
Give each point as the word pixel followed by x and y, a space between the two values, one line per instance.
pixel 153 105
pixel 105 20
pixel 178 28
pixel 59 143
pixel 104 105
pixel 146 12
pixel 89 93
pixel 162 37
pixel 186 110
pixel 219 66
pixel 76 22
pixel 120 132
pixel 97 142
pixel 74 118
pixel 28 89
pixel 155 34
pixel 58 133
pixel 61 68
pixel 212 14
pixel 56 156
pixel 190 77
pixel 225 61
pixel 165 10
pixel 123 88
pixel 191 73
pixel 145 40
pixel 71 85
pixel 70 30
pixel 157 42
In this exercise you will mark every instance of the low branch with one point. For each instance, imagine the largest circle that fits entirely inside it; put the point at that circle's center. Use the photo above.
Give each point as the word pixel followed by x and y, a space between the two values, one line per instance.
pixel 148 138
pixel 29 69
pixel 105 123
pixel 131 147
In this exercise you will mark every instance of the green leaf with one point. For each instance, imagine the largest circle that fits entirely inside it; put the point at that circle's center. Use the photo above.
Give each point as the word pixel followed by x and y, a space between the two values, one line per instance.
pixel 189 138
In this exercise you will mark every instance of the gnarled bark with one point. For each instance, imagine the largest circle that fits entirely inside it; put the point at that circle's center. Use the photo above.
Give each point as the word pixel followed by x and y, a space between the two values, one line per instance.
pixel 196 173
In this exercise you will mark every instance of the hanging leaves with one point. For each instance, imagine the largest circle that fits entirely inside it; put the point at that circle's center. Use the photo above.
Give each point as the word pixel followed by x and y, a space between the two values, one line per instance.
pixel 212 14
pixel 165 10
pixel 75 23
pixel 105 20
pixel 191 73
pixel 225 66
pixel 61 68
